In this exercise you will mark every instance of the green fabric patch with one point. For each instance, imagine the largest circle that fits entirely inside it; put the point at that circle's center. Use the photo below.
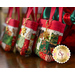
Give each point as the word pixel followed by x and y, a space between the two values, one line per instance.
pixel 21 41
pixel 18 38
pixel 7 39
pixel 54 39
pixel 32 37
pixel 44 46
pixel 36 51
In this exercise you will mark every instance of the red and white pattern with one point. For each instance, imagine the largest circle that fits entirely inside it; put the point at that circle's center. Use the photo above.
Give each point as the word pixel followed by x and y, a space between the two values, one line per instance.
pixel 49 58
pixel 31 28
pixel 12 31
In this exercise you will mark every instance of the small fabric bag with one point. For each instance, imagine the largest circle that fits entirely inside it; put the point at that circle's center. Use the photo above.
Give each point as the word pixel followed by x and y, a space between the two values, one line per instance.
pixel 8 36
pixel 26 34
pixel 49 35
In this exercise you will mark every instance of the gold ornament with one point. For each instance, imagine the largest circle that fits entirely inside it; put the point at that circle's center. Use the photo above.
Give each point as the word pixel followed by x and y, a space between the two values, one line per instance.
pixel 6 28
pixel 7 23
pixel 46 34
pixel 23 30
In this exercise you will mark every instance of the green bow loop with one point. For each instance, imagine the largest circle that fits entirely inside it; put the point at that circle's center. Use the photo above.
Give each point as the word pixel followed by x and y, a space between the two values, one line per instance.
pixel 47 11
pixel 72 17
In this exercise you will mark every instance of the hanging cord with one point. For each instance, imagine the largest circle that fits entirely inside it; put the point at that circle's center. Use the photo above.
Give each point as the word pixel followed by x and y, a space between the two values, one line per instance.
pixel 48 24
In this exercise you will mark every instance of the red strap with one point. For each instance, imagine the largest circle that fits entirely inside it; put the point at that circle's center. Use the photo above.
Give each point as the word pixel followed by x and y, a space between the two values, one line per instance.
pixel 60 13
pixel 36 11
pixel 17 11
pixel 52 13
pixel 32 13
pixel 11 10
pixel 29 11
pixel 42 12
pixel 26 11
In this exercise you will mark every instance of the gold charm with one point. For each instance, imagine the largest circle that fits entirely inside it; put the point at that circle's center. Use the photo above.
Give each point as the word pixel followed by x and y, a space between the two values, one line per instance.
pixel 46 34
pixel 6 28
pixel 8 20
pixel 23 30
pixel 7 24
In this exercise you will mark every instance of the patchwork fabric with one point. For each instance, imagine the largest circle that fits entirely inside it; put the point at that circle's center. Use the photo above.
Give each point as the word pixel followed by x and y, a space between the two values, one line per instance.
pixel 49 35
pixel 26 38
pixel 8 37
pixel 46 43
pixel 21 41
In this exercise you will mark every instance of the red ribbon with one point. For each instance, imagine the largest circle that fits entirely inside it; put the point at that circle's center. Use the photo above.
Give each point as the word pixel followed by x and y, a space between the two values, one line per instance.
pixel 67 20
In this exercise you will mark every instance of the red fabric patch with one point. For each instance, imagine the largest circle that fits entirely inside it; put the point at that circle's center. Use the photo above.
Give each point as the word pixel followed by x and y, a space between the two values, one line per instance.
pixel 20 31
pixel 59 40
pixel 13 40
pixel 22 52
pixel 25 47
pixel 42 55
pixel 7 48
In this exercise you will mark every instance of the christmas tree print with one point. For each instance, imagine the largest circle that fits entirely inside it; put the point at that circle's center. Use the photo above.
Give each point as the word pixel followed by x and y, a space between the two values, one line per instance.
pixel 44 46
